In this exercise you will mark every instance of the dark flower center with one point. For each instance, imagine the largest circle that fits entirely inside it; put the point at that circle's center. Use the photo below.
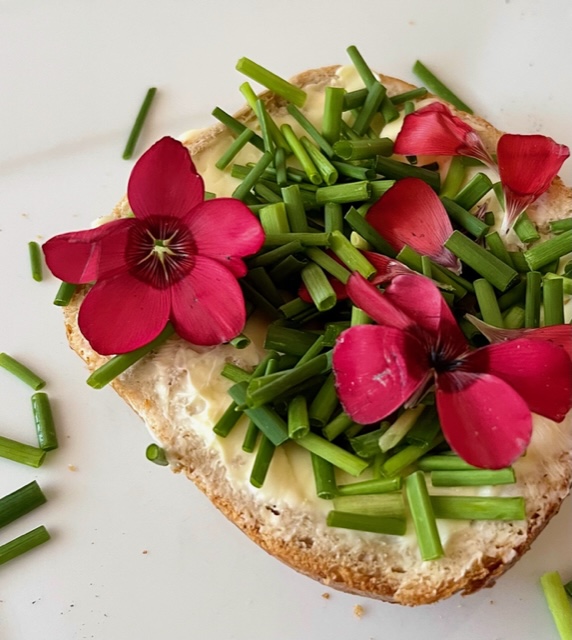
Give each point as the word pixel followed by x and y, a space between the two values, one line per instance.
pixel 160 251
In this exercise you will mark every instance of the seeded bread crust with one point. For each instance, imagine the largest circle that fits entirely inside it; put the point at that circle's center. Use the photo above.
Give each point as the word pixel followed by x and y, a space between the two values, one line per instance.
pixel 365 564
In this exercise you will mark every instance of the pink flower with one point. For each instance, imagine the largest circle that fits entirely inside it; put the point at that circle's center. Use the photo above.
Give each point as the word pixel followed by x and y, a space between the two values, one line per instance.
pixel 178 259
pixel 527 166
pixel 484 396
pixel 434 131
pixel 410 213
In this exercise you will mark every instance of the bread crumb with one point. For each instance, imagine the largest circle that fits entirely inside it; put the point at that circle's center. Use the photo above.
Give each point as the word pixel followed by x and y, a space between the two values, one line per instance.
pixel 326 596
pixel 72 467
pixel 144 552
pixel 358 611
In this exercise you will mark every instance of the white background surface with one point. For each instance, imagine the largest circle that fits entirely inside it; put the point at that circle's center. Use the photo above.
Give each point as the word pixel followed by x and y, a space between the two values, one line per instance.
pixel 72 75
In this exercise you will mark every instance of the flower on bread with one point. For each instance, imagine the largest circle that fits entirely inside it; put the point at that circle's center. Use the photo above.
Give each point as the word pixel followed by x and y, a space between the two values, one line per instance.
pixel 177 259
pixel 484 396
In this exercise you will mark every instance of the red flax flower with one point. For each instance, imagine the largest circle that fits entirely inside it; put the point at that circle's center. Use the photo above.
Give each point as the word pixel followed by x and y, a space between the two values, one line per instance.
pixel 484 396
pixel 527 166
pixel 434 131
pixel 178 259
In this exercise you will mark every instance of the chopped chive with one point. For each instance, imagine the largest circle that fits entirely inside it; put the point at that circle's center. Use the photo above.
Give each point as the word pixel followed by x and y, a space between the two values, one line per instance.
pixel 478 187
pixel 375 96
pixel 472 477
pixel 347 132
pixel 566 281
pixel 311 130
pixel 226 422
pixel 240 341
pixel 409 107
pixel 487 302
pixel 295 209
pixel 324 404
pixel 139 122
pixel 324 477
pixel 273 218
pixel 118 364
pixel 319 287
pixel 477 508
pixel 298 420
pixel 350 256
pixel 546 252
pixel 23 543
pixel 44 421
pixel 454 178
pixel 352 171
pixel 464 219
pixel 484 263
pixel 437 87
pixel 234 373
pixel 275 255
pixel 250 437
pixel 553 301
pixel 209 195
pixel 156 454
pixel 367 445
pixel 388 110
pixel 236 146
pixel 295 307
pixel 379 187
pixel 525 229
pixel 497 247
pixel 426 266
pixel 333 107
pixel 266 194
pixel 253 176
pixel 327 263
pixel 333 331
pixel 342 193
pixel 532 299
pixel 398 430
pixel 361 226
pixel 359 522
pixel 327 170
pixel 406 96
pixel 489 218
pixel 384 505
pixel 339 457
pixel 368 487
pixel 363 149
pixel 258 299
pixel 337 426
pixel 421 508
pixel 281 168
pixel 287 340
pixel 359 317
pixel 560 226
pixel 558 603
pixel 396 170
pixel 19 502
pixel 65 294
pixel 413 260
pixel 568 588
pixel 262 461
pixel 20 452
pixel 365 73
pixel 354 99
pixel 21 371
pixel 272 82
pixel 443 463
pixel 514 317
pixel 333 217
pixel 407 456
pixel 35 254
pixel 264 121
pixel 301 154
pixel 519 262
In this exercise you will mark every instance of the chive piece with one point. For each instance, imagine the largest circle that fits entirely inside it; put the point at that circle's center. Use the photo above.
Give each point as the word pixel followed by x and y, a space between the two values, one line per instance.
pixel 489 218
pixel 22 453
pixel 333 107
pixel 525 229
pixel 324 477
pixel 413 260
pixel 472 477
pixel 273 218
pixel 559 605
pixel 546 252
pixel 333 217
pixel 477 508
pixel 478 187
pixel 423 517
pixel 44 421
pixel 295 308
pixel 398 430
pixel 306 239
pixel 532 300
pixel 409 107
pixel 21 371
pixel 271 134
pixel 262 461
pixel 65 294
pixel 553 301
pixel 566 281
pixel 363 149
pixel 444 463
pixel 514 318
pixel 379 187
pixel 275 255
pixel 250 437
pixel 156 454
pixel 266 194
pixel 327 170
pixel 359 317
pixel 454 179
pixel 298 420
pixel 407 456
pixel 512 296
pixel 228 419
pixel 118 364
pixel 301 154
pixel 324 403
pixel 375 96
pixel 234 373
pixel 342 193
pixel 339 457
pixel 359 522
pixel 350 256
pixel 236 146
pixel 497 247
pixel 311 130
pixel 35 254
pixel 406 96
pixel 253 176
pixel 333 331
pixel 319 287
pixel 384 505
pixel 281 169
pixel 337 426
pixel 361 66
pixel 464 219
pixel 240 341
pixel 396 170
pixel 354 99
pixel 485 264
pixel 426 266
pixel 272 82
pixel 367 444
pixel 519 262
pixel 287 340
pixel 487 302
pixel 388 110
pixel 290 266
pixel 139 122
pixel 19 502
pixel 437 87
pixel 327 263
pixel 295 209
pixel 23 543
pixel 368 487
pixel 560 226
pixel 236 127
pixel 353 171
pixel 360 225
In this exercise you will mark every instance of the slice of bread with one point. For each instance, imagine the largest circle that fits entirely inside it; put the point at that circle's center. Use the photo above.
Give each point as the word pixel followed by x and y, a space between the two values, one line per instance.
pixel 294 531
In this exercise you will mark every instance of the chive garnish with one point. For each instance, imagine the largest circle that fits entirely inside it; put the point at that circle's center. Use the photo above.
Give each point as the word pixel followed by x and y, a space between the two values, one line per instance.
pixel 560 226
pixel 262 461
pixel 465 219
pixel 336 455
pixel 359 522
pixel 19 502
pixel 236 127
pixel 250 437
pixel 472 477
pixel 337 426
pixel 532 299
pixel 384 505
pixel 324 403
pixel 359 316
pixel 487 302
pixel 65 294
pixel 566 281
pixel 240 341
pixel 423 517
pixel 343 193
pixel 21 371
pixel 558 603
pixel 319 287
pixel 155 453
pixel 326 169
pixel 272 82
pixel 298 420
pixel 228 419
pixel 363 149
pixel 273 218
pixel 288 340
pixel 545 253
pixel 396 170
pixel 354 99
pixel 520 264
pixel 44 421
pixel 324 477
pixel 368 487
pixel 525 229
pixel 406 96
pixel 311 130
pixel 301 154
pixel 234 148
pixel 454 178
pixel 35 254
pixel 366 445
pixel 361 66
pixel 443 463
pixel 23 543
pixel 413 260
pixel 477 508
pixel 350 256
pixel 497 247
pixel 375 96
pixel 327 263
pixel 295 209
pixel 354 172
pixel 333 107
pixel 553 301
pixel 138 124
pixel 437 87
pixel 407 456
pixel 333 217
pixel 398 430
pixel 253 176
pixel 234 373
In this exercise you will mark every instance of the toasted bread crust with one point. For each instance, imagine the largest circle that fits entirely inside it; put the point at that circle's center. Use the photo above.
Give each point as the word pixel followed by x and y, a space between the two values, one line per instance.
pixel 373 566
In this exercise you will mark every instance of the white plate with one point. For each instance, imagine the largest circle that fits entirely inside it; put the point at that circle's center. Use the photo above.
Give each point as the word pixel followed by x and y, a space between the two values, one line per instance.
pixel 136 551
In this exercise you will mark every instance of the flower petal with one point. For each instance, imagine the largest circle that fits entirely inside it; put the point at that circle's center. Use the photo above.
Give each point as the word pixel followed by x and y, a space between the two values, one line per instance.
pixel 540 372
pixel 81 257
pixel 434 131
pixel 411 213
pixel 527 166
pixel 376 370
pixel 386 268
pixel 483 418
pixel 226 230
pixel 122 313
pixel 207 305
pixel 164 181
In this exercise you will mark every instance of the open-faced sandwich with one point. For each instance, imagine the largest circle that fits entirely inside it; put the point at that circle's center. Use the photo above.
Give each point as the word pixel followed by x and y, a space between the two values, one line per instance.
pixel 355 340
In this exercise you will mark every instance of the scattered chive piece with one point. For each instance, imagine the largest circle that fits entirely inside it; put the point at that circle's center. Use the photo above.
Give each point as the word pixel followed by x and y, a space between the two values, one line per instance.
pixel 444 463
pixel 327 263
pixel 384 505
pixel 324 404
pixel 65 294
pixel 437 87
pixel 236 127
pixel 363 149
pixel 545 253
pixel 298 420
pixel 275 255
pixel 337 426
pixel 487 302
pixel 44 421
pixel 287 340
pixel 413 260
pixel 560 226
pixel 327 170
pixel 406 96
pixel 359 522
pixel 227 421
pixel 566 281
pixel 489 218
pixel 250 437
pixel 234 148
pixel 396 170
pixel 20 452
pixel 253 176
pixel 139 122
pixel 476 508
pixel 281 168
pixel 365 73
pixel 472 477
pixel 360 225
pixel 367 487
pixel 333 107
pixel 350 256
pixel 454 178
pixel 423 517
pixel 23 543
pixel 532 300
pixel 118 364
pixel 497 247
pixel 342 193
pixel 311 130
pixel 155 453
pixel 512 296
pixel 525 229
pixel 240 341
pixel 409 107
pixel 375 96
pixel 398 430
pixel 295 208
pixel 478 187
pixel 20 371
pixel 324 477
pixel 558 603
pixel 354 99
pixel 274 219
pixel 234 373
pixel 333 217
pixel 388 110
pixel 272 82
pixel 319 287
pixel 262 461
pixel 568 588
pixel 35 260
pixel 553 301
pixel 519 262
pixel 359 317
pixel 464 219
pixel 514 317
pixel 20 502
pixel 407 456
pixel 353 171
pixel 306 239
pixel 301 154
pixel 426 266
pixel 339 457
pixel 366 445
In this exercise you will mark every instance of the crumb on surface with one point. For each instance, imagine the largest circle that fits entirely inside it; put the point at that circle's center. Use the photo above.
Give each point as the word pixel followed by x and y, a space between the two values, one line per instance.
pixel 145 552
pixel 358 611
pixel 326 596
pixel 72 467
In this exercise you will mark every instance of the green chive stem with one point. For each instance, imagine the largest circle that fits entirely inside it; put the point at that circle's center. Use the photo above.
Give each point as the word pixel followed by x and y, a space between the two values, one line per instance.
pixel 546 252
pixel 250 437
pixel 365 73
pixel 156 454
pixel 477 187
pixel 333 107
pixel 368 487
pixel 406 96
pixel 375 96
pixel 351 150
pixel 472 477
pixel 359 522
pixel 396 170
pixel 464 219
pixel 19 502
pixel 243 189
pixel 298 420
pixel 497 247
pixel 350 256
pixel 21 371
pixel 532 299
pixel 301 154
pixel 65 294
pixel 514 317
pixel 274 219
pixel 333 217
pixel 553 301
pixel 343 193
pixel 139 122
pixel 487 302
pixel 324 477
pixel 327 263
pixel 44 421
pixel 421 509
pixel 399 429
pixel 23 543
pixel 311 130
pixel 437 87
pixel 20 452
pixel 35 254
pixel 295 209
pixel 236 127
pixel 383 505
pixel 337 426
pixel 272 82
pixel 262 461
pixel 227 421
pixel 360 225
pixel 306 239
pixel 444 463
pixel 327 170
pixel 236 146
pixel 319 287
pixel 525 229
pixel 560 226
pixel 477 508
pixel 558 603
pixel 324 404
pixel 454 178
pixel 339 457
